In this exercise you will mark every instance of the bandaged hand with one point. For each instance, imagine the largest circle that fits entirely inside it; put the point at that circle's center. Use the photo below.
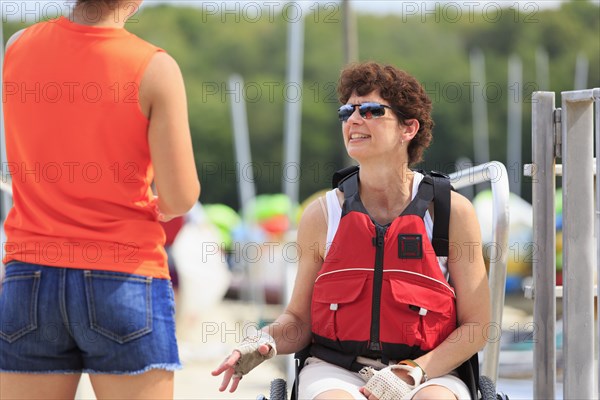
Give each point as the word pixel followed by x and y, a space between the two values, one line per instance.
pixel 386 385
pixel 250 357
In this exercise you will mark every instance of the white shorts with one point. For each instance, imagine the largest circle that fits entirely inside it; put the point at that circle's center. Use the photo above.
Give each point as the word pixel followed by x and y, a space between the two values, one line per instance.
pixel 319 376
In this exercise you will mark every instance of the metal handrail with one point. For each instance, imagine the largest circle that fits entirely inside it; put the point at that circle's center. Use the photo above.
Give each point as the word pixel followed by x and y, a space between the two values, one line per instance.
pixel 495 173
pixel 6 194
pixel 5 187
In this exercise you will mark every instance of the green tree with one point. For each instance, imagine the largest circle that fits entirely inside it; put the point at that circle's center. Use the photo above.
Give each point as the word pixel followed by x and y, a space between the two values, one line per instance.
pixel 210 47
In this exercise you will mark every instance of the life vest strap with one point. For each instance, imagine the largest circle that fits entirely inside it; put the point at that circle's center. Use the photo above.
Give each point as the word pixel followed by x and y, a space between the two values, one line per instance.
pixel 435 187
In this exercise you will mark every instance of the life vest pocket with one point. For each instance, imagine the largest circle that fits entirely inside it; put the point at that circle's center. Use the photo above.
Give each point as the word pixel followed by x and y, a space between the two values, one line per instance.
pixel 341 308
pixel 419 313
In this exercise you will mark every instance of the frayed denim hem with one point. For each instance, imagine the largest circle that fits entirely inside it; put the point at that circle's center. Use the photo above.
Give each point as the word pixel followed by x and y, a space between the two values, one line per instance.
pixel 57 372
pixel 167 367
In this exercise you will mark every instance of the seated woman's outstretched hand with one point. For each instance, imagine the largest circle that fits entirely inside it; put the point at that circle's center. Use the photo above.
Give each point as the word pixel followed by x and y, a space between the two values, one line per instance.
pixel 227 366
pixel 230 367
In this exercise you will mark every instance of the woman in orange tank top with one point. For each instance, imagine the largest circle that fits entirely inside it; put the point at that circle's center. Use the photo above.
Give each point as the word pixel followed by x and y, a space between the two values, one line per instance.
pixel 94 115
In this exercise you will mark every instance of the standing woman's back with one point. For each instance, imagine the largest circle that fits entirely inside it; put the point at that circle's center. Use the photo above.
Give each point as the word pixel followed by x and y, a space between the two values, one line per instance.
pixel 94 117
pixel 78 145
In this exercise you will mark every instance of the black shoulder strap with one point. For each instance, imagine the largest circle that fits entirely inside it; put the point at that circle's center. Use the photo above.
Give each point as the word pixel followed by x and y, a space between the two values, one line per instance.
pixel 349 186
pixel 435 187
pixel 441 211
pixel 441 202
pixel 343 174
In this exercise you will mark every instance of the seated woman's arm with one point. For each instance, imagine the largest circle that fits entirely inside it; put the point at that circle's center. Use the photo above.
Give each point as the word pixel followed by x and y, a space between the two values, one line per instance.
pixel 292 329
pixel 469 278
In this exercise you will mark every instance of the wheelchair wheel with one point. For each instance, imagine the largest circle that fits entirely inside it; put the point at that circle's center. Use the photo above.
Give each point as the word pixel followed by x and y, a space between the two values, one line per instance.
pixel 278 390
pixel 487 388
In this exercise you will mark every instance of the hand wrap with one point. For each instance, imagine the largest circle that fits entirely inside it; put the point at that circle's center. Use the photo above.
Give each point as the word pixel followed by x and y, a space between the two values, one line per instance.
pixel 386 385
pixel 250 357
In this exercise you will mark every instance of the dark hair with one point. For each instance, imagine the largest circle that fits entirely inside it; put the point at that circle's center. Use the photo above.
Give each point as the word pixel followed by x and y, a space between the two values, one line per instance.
pixel 110 3
pixel 404 93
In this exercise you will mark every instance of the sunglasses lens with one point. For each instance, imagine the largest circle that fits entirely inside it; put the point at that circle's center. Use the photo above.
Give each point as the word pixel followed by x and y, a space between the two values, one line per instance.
pixel 366 111
pixel 344 112
pixel 371 110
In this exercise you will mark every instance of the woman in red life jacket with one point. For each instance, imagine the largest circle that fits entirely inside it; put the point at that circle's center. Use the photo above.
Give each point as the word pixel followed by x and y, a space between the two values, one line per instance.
pixel 94 116
pixel 386 312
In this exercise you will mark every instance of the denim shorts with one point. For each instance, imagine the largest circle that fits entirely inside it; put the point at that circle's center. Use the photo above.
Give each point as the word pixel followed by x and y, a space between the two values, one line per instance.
pixel 63 320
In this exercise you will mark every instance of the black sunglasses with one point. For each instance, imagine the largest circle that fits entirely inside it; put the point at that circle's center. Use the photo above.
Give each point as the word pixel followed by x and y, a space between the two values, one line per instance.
pixel 366 110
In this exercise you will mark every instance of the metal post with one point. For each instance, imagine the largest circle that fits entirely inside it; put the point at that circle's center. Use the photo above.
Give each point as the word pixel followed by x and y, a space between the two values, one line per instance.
pixel 597 102
pixel 544 239
pixel 480 114
pixel 350 35
pixel 515 121
pixel 582 66
pixel 542 69
pixel 241 142
pixel 5 186
pixel 578 243
pixel 350 38
pixel 5 199
pixel 247 192
pixel 293 112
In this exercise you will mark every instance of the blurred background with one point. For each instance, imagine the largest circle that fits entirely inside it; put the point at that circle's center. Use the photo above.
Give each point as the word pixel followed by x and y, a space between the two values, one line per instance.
pixel 261 83
pixel 435 41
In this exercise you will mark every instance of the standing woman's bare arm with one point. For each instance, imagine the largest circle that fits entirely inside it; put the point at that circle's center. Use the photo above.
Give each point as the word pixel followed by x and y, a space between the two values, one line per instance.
pixel 163 100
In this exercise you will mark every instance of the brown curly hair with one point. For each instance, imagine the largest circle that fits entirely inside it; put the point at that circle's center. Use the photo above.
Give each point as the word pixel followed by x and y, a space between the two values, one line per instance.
pixel 404 93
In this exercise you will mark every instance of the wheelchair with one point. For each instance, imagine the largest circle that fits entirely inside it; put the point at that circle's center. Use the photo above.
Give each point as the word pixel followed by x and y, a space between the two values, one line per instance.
pixel 486 388
pixel 482 387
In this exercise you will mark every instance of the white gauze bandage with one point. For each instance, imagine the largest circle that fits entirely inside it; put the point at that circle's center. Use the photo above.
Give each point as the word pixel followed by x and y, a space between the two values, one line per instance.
pixel 386 385
pixel 250 357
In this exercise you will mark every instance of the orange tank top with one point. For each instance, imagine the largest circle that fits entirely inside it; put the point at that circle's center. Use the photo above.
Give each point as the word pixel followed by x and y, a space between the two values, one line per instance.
pixel 78 153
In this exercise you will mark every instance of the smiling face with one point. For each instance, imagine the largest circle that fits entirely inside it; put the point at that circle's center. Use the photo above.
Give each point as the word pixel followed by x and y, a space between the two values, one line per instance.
pixel 381 138
pixel 386 84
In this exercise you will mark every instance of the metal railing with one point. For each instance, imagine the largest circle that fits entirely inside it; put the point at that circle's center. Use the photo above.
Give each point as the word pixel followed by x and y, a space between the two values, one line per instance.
pixel 495 173
pixel 5 187
pixel 5 204
pixel 568 133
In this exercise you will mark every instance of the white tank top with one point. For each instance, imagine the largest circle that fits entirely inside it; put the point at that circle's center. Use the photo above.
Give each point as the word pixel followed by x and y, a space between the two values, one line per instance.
pixel 334 214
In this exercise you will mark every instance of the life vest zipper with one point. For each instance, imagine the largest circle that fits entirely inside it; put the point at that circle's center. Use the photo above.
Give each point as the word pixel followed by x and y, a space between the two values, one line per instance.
pixel 378 242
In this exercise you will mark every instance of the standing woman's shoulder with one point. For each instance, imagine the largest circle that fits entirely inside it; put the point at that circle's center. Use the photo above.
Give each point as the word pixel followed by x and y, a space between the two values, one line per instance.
pixel 162 81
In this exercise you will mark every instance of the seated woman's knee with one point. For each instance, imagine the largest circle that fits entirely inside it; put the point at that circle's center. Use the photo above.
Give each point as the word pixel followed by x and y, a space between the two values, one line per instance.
pixel 434 392
pixel 334 395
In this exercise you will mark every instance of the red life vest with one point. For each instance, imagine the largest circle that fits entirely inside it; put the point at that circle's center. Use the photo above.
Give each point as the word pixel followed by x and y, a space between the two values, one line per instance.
pixel 380 292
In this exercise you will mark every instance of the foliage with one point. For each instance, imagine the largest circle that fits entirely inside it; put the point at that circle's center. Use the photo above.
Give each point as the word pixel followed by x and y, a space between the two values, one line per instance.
pixel 211 46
